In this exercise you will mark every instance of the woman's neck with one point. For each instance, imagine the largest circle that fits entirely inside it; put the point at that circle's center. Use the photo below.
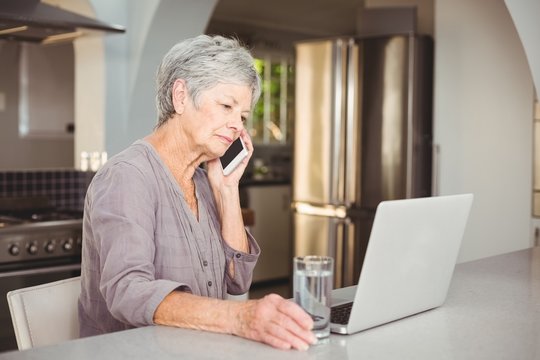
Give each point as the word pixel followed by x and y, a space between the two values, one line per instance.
pixel 176 149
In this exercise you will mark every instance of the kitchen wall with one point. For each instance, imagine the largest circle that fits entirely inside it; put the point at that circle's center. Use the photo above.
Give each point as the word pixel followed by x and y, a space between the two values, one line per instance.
pixel 17 152
pixel 483 122
pixel 424 11
pixel 154 26
pixel 43 153
pixel 89 85
pixel 525 16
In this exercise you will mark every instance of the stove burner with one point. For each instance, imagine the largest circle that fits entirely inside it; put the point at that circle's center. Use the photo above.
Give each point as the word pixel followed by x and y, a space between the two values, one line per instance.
pixel 19 218
pixel 21 210
pixel 56 215
pixel 6 221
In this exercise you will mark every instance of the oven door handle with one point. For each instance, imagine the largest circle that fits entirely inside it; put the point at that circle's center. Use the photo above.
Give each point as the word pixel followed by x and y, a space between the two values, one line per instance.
pixel 44 270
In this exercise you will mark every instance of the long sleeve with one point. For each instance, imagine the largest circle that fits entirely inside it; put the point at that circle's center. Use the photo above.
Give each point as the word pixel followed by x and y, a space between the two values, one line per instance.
pixel 123 220
pixel 244 263
pixel 243 266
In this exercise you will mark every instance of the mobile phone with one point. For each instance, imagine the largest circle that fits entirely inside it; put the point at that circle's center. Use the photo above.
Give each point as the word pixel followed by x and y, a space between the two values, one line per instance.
pixel 233 156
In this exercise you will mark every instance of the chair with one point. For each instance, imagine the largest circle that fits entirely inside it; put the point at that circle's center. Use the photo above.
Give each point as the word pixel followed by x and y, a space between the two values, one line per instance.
pixel 45 314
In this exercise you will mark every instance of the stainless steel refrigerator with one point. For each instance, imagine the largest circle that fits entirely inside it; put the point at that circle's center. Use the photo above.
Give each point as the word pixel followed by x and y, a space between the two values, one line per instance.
pixel 363 134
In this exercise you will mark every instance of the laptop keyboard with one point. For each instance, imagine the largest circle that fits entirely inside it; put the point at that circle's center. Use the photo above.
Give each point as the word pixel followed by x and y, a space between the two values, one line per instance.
pixel 340 314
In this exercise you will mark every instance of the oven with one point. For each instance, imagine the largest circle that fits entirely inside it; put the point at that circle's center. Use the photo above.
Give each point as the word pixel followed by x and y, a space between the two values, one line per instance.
pixel 35 248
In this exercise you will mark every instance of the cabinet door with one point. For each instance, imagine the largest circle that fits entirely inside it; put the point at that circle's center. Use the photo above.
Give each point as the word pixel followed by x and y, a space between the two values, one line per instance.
pixel 272 230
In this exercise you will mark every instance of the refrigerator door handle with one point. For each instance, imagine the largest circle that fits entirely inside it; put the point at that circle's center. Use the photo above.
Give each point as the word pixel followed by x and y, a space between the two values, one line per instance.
pixel 338 118
pixel 339 262
pixel 353 128
pixel 411 84
pixel 319 210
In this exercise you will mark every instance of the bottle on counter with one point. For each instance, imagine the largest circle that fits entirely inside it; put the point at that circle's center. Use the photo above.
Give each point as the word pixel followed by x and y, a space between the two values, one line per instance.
pixel 260 171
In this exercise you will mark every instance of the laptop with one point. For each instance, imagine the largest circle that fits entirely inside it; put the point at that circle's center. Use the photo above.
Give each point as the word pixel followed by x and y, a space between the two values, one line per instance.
pixel 409 262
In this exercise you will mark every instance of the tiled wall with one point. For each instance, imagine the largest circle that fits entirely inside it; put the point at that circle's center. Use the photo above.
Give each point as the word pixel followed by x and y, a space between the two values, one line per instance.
pixel 64 188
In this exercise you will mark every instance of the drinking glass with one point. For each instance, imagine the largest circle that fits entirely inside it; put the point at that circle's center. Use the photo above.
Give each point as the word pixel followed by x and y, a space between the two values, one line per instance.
pixel 312 285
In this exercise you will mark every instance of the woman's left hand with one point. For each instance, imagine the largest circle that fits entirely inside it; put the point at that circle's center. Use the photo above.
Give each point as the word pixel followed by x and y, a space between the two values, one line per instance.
pixel 215 171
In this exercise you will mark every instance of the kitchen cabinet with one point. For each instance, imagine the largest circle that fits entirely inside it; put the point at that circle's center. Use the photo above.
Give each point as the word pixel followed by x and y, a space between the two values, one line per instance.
pixel 272 229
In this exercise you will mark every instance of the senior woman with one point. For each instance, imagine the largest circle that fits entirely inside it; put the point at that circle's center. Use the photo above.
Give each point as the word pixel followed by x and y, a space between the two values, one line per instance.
pixel 163 239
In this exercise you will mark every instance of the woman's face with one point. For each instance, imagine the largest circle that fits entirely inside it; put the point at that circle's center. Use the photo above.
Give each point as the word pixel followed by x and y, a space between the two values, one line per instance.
pixel 220 118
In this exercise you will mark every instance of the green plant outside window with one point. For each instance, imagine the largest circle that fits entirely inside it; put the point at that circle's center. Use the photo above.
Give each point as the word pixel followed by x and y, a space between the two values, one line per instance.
pixel 271 121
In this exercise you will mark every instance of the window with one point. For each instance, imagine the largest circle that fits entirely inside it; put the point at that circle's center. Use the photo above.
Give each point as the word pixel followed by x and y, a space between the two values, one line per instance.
pixel 272 118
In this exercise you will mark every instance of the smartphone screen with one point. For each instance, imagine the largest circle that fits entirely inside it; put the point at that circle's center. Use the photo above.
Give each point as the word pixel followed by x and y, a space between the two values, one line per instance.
pixel 233 156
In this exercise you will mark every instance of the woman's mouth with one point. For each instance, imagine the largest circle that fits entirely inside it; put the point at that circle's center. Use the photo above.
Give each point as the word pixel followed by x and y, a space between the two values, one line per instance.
pixel 226 139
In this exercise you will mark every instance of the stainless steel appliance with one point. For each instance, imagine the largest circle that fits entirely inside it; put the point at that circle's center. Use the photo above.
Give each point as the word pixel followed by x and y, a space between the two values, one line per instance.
pixel 363 132
pixel 37 245
pixel 34 21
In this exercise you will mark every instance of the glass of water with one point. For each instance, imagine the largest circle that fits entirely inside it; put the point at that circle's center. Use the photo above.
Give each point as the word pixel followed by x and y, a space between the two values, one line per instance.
pixel 313 279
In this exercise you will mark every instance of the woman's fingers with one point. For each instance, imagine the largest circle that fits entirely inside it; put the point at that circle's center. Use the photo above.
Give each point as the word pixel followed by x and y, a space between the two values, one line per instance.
pixel 290 332
pixel 277 322
pixel 293 318
pixel 286 338
pixel 296 312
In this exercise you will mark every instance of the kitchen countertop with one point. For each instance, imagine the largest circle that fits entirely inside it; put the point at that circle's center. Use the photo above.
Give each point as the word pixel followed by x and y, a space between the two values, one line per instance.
pixel 264 182
pixel 492 312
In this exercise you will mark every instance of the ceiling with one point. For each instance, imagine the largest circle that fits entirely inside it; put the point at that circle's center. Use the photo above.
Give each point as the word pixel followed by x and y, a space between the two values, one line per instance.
pixel 317 17
pixel 278 23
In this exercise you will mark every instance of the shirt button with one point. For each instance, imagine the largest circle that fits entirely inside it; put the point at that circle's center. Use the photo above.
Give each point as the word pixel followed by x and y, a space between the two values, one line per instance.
pixel 209 283
pixel 205 263
pixel 238 256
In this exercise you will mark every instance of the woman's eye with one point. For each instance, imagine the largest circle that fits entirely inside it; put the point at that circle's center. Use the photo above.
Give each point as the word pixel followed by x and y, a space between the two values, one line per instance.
pixel 244 119
pixel 226 106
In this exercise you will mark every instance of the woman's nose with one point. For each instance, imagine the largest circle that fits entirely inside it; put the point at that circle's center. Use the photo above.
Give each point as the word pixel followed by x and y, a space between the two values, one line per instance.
pixel 236 122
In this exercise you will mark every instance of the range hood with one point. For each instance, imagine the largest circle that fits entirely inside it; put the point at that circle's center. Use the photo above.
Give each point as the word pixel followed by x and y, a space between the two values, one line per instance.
pixel 33 21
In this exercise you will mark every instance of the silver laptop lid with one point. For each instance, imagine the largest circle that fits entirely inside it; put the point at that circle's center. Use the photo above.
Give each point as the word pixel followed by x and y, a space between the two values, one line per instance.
pixel 410 259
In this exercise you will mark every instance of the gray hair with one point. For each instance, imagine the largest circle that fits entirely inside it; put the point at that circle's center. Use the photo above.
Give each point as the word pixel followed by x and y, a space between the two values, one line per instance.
pixel 204 62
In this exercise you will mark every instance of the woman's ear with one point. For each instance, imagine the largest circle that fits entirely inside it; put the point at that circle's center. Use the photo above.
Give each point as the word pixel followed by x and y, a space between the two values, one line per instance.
pixel 179 95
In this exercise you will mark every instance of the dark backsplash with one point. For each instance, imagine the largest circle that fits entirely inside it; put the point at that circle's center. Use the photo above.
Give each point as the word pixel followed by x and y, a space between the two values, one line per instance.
pixel 65 189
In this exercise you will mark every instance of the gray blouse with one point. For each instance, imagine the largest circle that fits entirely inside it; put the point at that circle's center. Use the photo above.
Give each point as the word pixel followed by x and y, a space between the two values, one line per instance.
pixel 141 241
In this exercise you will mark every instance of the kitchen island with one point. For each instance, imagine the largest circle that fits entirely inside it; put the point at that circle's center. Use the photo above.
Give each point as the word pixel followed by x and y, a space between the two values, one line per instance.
pixel 492 312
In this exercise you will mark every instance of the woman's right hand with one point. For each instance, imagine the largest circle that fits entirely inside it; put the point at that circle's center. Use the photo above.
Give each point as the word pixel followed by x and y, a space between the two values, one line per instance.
pixel 275 321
